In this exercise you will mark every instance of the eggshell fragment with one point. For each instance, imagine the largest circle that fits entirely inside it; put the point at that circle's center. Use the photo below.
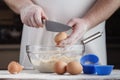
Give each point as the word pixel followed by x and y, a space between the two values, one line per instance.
pixel 60 67
pixel 14 67
pixel 74 68
pixel 60 36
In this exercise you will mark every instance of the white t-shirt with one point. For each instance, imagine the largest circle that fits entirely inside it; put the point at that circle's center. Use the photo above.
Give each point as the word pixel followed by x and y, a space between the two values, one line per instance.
pixel 61 11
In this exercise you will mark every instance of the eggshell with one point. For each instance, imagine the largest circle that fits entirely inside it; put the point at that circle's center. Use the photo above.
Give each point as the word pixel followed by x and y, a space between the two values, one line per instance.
pixel 60 36
pixel 60 67
pixel 14 67
pixel 74 68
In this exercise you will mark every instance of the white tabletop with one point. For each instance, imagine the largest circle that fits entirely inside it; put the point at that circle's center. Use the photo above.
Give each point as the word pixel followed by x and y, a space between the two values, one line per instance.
pixel 35 75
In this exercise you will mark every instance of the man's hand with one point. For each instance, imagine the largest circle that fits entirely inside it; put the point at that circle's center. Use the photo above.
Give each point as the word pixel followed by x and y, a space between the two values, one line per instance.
pixel 80 26
pixel 100 12
pixel 32 15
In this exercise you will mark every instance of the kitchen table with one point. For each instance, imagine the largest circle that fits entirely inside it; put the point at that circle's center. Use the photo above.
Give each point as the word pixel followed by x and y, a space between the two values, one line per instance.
pixel 35 75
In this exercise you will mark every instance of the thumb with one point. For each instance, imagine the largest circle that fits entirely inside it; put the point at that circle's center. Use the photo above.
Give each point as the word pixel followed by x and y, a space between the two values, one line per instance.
pixel 44 16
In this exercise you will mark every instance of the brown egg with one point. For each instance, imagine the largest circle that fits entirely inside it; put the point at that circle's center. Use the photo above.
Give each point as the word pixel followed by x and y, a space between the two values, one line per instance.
pixel 60 67
pixel 74 68
pixel 14 67
pixel 60 36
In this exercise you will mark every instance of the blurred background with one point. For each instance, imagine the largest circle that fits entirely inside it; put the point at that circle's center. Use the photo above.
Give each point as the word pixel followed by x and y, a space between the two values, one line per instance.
pixel 11 30
pixel 10 35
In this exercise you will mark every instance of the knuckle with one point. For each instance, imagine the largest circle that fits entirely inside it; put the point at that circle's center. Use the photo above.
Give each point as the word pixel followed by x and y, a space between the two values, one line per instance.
pixel 74 20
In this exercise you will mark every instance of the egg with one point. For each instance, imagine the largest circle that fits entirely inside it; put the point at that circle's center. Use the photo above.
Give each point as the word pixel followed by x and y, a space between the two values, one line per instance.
pixel 74 68
pixel 60 67
pixel 14 67
pixel 60 36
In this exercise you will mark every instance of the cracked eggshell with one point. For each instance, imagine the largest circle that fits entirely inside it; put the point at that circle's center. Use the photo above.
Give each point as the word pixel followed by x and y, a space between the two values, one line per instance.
pixel 14 67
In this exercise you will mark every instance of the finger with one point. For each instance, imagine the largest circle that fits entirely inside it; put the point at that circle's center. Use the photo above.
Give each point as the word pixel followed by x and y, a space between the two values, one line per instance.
pixel 71 23
pixel 33 22
pixel 63 43
pixel 44 16
pixel 25 21
pixel 38 19
pixel 73 35
pixel 70 40
pixel 29 23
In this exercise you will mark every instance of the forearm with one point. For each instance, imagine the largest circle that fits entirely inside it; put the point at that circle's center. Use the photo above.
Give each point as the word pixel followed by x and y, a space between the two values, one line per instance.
pixel 17 5
pixel 101 11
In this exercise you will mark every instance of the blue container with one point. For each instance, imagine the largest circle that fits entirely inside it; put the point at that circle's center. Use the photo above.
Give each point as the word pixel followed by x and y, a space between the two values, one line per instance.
pixel 88 62
pixel 103 69
pixel 89 69
pixel 89 59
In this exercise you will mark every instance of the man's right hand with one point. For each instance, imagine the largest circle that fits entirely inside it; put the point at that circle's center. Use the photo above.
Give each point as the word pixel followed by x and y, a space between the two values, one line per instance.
pixel 32 15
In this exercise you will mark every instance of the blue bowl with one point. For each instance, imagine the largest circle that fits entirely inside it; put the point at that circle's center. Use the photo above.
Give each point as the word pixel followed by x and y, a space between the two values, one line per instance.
pixel 89 59
pixel 89 69
pixel 103 69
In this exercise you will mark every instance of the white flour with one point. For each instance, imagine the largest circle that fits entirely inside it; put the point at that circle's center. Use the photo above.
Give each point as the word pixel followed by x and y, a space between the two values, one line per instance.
pixel 44 60
pixel 48 65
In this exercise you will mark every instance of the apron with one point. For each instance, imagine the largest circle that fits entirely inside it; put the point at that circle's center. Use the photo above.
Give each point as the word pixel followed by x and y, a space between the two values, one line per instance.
pixel 61 11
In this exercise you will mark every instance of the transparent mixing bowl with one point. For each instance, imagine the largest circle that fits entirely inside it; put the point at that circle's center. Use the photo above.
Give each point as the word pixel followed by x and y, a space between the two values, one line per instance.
pixel 43 58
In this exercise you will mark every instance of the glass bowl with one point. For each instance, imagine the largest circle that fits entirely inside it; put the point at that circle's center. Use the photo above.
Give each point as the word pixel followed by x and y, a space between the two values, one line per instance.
pixel 43 58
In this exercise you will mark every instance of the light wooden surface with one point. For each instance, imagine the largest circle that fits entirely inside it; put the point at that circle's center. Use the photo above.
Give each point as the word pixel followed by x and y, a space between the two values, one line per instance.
pixel 32 74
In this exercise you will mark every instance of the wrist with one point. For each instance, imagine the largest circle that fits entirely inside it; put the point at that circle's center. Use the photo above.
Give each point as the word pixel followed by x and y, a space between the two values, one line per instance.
pixel 25 6
pixel 87 23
